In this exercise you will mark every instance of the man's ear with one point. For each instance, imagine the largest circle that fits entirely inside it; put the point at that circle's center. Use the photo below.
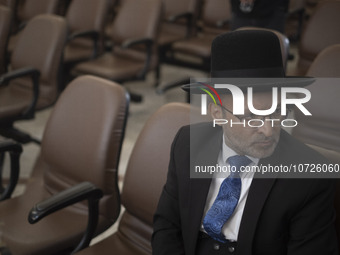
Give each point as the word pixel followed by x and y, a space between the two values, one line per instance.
pixel 215 111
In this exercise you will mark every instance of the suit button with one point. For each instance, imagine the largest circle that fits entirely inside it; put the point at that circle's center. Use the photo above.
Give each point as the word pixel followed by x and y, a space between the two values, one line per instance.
pixel 216 246
pixel 231 249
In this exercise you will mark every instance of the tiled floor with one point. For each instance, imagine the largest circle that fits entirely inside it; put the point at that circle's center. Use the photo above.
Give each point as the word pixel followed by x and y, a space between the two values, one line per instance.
pixel 138 114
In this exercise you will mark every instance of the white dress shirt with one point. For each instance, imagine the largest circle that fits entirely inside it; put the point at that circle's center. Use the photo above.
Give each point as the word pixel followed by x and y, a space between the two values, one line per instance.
pixel 231 227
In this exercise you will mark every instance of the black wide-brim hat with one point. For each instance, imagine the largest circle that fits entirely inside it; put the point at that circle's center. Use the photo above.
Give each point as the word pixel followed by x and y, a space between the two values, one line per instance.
pixel 248 58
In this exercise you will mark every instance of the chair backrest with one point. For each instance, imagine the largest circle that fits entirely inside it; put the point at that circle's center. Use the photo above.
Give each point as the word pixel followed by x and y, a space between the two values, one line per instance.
pixel 136 20
pixel 327 63
pixel 174 7
pixel 27 9
pixel 146 172
pixel 5 19
pixel 214 12
pixel 83 139
pixel 322 30
pixel 284 42
pixel 171 31
pixel 85 15
pixel 40 46
pixel 322 129
pixel 82 16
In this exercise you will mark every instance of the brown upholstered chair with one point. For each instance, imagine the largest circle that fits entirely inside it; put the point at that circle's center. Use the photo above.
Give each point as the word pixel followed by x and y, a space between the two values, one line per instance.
pixel 322 130
pixel 322 30
pixel 178 20
pixel 216 15
pixel 196 48
pixel 284 43
pixel 86 20
pixel 327 63
pixel 323 127
pixel 133 33
pixel 23 90
pixel 144 179
pixel 178 23
pixel 25 10
pixel 5 19
pixel 81 143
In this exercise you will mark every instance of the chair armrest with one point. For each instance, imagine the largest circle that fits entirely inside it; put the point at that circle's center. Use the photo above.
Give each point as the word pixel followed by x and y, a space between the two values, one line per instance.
pixel 14 150
pixel 132 42
pixel 28 71
pixel 75 194
pixel 86 33
pixel 148 43
pixel 186 15
pixel 92 34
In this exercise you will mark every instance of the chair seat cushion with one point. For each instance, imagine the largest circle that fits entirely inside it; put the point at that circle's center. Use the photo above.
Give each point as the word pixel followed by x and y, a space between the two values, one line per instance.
pixel 77 50
pixel 110 66
pixel 115 244
pixel 170 33
pixel 198 46
pixel 17 97
pixel 168 38
pixel 23 238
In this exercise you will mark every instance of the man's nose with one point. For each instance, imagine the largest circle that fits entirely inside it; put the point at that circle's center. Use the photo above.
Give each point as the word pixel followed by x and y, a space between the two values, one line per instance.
pixel 266 129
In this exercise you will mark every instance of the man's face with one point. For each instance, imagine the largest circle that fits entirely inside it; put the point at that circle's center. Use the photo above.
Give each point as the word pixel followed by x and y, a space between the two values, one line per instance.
pixel 258 142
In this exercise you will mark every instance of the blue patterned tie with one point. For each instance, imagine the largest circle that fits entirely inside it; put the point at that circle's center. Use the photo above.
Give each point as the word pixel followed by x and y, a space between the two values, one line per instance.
pixel 226 200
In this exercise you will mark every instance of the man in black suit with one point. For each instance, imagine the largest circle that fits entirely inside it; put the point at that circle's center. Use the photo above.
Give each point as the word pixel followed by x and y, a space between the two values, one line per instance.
pixel 272 215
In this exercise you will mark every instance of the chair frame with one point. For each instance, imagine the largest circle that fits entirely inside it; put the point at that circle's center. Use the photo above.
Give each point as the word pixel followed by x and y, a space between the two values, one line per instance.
pixel 14 150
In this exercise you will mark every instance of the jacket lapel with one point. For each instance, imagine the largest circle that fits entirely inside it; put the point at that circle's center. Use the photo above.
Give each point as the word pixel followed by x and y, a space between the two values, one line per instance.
pixel 199 187
pixel 257 196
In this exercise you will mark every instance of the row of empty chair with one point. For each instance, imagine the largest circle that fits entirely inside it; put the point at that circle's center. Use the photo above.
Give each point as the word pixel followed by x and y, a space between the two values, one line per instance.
pixel 181 20
pixel 39 50
pixel 39 58
pixel 187 27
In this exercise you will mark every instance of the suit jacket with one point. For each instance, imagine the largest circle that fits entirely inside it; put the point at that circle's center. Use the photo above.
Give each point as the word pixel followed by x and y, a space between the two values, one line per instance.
pixel 281 215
